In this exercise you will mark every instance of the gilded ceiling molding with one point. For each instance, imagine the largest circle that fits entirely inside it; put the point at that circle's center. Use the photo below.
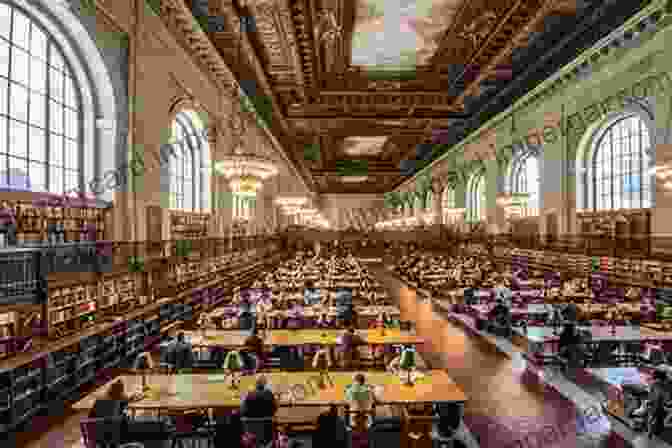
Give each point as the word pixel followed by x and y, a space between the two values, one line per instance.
pixel 274 24
pixel 304 37
pixel 479 29
pixel 518 38
pixel 179 20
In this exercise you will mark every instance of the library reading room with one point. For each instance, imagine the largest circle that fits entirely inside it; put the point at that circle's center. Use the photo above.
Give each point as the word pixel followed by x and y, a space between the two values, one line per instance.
pixel 335 223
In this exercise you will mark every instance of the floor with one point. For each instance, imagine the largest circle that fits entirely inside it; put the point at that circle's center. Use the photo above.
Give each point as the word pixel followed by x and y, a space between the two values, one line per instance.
pixel 493 381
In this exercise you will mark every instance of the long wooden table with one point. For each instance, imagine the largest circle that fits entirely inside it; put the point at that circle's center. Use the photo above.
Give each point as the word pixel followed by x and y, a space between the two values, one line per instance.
pixel 173 392
pixel 236 338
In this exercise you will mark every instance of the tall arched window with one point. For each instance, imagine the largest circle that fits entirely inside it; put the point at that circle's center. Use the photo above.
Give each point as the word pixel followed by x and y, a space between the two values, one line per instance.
pixel 476 197
pixel 619 166
pixel 189 169
pixel 525 178
pixel 40 110
pixel 448 202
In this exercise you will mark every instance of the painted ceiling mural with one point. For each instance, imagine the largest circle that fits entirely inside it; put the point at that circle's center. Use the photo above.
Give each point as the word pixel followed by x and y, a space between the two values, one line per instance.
pixel 398 34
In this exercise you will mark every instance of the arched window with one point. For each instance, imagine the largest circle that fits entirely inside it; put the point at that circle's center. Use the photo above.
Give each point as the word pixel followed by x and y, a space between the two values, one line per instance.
pixel 618 170
pixel 476 197
pixel 525 178
pixel 40 110
pixel 189 169
pixel 448 202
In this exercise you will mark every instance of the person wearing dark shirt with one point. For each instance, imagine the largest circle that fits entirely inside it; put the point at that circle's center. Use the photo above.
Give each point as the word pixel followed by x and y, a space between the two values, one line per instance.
pixel 246 319
pixel 255 345
pixel 348 316
pixel 571 312
pixel 260 403
pixel 183 353
pixel 570 344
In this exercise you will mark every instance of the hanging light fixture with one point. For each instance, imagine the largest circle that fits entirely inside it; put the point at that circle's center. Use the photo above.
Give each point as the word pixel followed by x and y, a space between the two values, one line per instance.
pixel 245 172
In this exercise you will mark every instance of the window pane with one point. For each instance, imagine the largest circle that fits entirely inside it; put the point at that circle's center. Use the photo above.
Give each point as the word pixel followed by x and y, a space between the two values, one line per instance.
pixel 18 167
pixel 56 58
pixel 71 155
pixel 4 58
pixel 56 150
pixel 18 139
pixel 37 174
pixel 5 20
pixel 37 142
pixel 56 85
pixel 37 109
pixel 38 43
pixel 71 180
pixel 56 179
pixel 70 97
pixel 3 97
pixel 71 123
pixel 56 117
pixel 19 66
pixel 3 136
pixel 38 75
pixel 18 102
pixel 20 31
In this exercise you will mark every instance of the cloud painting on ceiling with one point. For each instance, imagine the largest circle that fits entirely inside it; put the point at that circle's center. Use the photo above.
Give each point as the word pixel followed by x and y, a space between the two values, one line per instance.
pixel 398 34
pixel 363 146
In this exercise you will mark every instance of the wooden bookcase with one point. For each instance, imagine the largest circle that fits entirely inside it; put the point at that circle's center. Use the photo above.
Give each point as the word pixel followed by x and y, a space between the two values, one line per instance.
pixel 79 223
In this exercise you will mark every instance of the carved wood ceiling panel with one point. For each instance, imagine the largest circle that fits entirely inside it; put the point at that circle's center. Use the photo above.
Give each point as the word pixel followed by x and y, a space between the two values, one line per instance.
pixel 304 53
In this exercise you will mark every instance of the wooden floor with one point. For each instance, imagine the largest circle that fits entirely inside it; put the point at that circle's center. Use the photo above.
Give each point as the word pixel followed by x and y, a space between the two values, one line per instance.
pixel 489 378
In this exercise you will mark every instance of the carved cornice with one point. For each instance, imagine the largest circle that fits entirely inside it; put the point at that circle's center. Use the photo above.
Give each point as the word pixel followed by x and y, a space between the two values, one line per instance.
pixel 179 20
pixel 300 17
pixel 275 26
pixel 524 13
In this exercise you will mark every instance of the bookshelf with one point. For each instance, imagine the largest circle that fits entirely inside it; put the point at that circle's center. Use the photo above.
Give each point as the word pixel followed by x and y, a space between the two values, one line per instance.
pixel 53 373
pixel 72 220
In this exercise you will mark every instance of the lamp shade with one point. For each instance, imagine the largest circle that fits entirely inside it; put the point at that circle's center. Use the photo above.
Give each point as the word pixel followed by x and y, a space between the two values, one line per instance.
pixel 233 361
pixel 407 361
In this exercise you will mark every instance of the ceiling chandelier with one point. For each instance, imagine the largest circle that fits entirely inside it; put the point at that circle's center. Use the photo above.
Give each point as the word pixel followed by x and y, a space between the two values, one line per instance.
pixel 246 173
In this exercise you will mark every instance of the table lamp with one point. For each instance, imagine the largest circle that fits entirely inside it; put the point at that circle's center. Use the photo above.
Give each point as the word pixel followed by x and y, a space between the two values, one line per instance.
pixel 380 323
pixel 407 363
pixel 233 363
pixel 144 363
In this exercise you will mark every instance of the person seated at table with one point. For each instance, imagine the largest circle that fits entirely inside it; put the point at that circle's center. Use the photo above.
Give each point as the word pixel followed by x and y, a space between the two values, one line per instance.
pixel 260 404
pixel 264 308
pixel 324 321
pixel 347 345
pixel 246 319
pixel 254 344
pixel 347 315
pixel 311 295
pixel 331 429
pixel 183 353
pixel 500 317
pixel 570 344
pixel 654 405
pixel 360 397
pixel 294 313
pixel 571 311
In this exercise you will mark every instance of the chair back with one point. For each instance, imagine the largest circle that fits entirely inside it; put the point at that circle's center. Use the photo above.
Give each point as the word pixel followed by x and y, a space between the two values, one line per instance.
pixel 385 435
pixel 101 431
pixel 450 417
pixel 262 428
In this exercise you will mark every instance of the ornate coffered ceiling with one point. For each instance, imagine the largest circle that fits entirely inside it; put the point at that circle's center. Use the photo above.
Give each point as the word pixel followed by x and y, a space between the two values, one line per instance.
pixel 398 72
